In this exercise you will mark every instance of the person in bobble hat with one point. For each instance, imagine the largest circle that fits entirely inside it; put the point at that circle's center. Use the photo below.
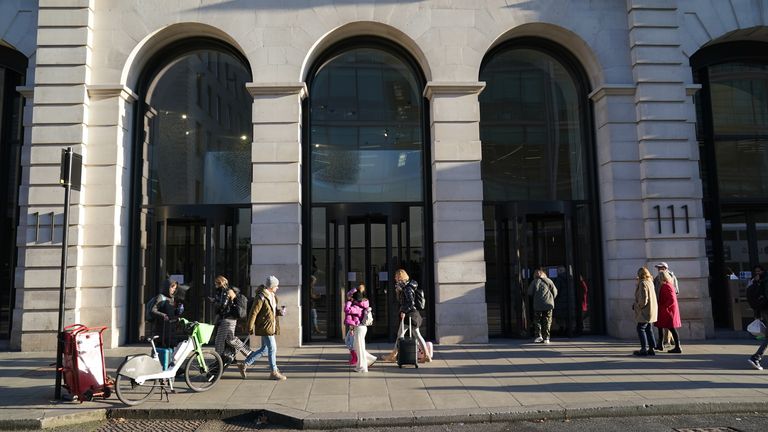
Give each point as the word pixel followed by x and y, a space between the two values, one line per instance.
pixel 263 321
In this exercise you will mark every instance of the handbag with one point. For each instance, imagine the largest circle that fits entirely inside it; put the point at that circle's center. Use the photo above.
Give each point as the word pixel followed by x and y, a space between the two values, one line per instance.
pixel 367 318
pixel 349 340
pixel 756 327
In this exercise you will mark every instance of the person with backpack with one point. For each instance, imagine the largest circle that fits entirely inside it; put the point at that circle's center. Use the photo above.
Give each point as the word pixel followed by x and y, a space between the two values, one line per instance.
pixel 544 292
pixel 355 312
pixel 411 299
pixel 263 321
pixel 231 305
pixel 163 311
pixel 757 295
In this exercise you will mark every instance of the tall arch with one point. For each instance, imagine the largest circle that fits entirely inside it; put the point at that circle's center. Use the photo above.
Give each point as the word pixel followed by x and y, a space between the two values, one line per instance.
pixel 539 186
pixel 366 183
pixel 13 69
pixel 191 174
pixel 732 132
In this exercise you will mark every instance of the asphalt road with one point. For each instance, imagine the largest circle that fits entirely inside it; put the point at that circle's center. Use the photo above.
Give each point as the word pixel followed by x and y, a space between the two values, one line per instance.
pixel 700 423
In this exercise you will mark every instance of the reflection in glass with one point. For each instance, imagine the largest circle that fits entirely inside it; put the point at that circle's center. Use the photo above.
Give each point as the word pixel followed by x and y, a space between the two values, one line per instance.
pixel 366 136
pixel 199 153
pixel 739 94
pixel 530 128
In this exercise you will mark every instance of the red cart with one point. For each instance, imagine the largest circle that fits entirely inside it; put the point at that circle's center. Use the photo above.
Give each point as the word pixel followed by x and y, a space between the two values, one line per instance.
pixel 84 372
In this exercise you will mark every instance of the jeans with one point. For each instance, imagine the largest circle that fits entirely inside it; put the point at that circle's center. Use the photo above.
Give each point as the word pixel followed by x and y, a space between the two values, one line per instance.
pixel 761 350
pixel 269 346
pixel 645 333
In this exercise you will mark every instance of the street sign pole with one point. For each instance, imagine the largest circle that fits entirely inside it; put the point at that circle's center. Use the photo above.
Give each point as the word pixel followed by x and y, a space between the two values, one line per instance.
pixel 70 180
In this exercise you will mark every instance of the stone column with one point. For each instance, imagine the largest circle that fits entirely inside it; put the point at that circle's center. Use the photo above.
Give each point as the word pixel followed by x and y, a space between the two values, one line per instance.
pixel 59 120
pixel 669 158
pixel 461 314
pixel 276 197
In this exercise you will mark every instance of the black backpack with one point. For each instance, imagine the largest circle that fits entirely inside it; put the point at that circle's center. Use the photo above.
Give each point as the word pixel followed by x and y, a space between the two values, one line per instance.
pixel 148 315
pixel 418 298
pixel 242 305
pixel 756 296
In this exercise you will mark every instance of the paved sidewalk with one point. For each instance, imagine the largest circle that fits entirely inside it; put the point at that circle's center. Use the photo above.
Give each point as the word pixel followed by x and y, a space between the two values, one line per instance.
pixel 503 380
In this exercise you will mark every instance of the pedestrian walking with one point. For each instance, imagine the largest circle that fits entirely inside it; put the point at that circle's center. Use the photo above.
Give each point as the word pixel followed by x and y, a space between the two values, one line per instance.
pixel 645 308
pixel 759 283
pixel 544 292
pixel 665 337
pixel 405 292
pixel 669 312
pixel 355 309
pixel 229 308
pixel 263 320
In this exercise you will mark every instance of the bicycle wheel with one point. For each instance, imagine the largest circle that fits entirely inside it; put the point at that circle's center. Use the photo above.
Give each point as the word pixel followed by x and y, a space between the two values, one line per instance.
pixel 130 392
pixel 199 380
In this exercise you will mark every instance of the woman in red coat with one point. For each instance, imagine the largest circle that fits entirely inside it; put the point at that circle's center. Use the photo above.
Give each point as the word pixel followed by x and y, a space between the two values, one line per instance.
pixel 669 313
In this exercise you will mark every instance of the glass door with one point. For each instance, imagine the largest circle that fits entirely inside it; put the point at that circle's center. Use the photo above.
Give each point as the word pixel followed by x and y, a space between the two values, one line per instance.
pixel 349 247
pixel 518 240
pixel 194 250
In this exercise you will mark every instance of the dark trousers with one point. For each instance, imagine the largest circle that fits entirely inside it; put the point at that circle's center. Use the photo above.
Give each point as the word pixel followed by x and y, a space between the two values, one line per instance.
pixel 645 333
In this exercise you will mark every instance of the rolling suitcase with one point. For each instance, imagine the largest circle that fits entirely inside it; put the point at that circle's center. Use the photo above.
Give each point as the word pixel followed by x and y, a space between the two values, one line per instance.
pixel 407 349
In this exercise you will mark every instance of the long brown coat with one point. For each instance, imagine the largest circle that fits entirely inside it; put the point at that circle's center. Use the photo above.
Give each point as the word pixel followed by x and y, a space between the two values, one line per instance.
pixel 646 308
pixel 262 320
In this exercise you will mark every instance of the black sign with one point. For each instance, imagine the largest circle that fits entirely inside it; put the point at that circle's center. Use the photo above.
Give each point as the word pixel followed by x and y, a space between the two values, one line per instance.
pixel 71 169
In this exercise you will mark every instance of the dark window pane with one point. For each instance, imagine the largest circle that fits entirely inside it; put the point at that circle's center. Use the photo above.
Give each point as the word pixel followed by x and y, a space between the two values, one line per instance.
pixel 193 158
pixel 366 136
pixel 531 129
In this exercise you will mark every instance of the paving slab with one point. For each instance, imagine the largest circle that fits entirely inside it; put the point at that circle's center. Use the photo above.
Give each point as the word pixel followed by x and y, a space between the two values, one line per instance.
pixel 500 381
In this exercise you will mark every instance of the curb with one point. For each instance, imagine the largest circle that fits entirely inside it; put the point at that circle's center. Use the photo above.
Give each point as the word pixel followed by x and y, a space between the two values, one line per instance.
pixel 53 421
pixel 298 419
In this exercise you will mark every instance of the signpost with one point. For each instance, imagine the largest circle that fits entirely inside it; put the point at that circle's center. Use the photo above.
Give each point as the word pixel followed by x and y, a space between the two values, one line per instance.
pixel 71 174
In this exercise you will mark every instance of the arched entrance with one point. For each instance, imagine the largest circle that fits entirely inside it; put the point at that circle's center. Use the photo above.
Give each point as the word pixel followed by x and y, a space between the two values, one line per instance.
pixel 365 181
pixel 539 195
pixel 732 130
pixel 191 175
pixel 13 66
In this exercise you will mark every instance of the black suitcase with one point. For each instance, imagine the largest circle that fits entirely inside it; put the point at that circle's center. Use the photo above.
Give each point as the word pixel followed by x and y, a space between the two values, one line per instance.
pixel 407 349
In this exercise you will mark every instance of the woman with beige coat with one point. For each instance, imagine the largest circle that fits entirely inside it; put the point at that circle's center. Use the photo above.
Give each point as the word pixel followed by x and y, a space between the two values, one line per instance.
pixel 646 310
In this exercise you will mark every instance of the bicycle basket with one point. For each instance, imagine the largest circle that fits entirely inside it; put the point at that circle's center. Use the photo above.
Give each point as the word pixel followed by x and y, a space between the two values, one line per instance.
pixel 204 331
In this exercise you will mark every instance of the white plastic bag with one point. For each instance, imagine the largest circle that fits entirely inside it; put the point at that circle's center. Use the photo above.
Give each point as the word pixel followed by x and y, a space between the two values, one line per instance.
pixel 756 327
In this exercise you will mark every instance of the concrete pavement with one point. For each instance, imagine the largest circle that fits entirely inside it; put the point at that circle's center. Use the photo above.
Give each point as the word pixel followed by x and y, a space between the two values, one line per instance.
pixel 507 379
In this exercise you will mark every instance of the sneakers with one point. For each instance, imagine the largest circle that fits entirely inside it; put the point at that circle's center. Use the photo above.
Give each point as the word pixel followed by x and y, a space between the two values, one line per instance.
pixel 538 340
pixel 546 341
pixel 755 363
pixel 277 376
pixel 243 370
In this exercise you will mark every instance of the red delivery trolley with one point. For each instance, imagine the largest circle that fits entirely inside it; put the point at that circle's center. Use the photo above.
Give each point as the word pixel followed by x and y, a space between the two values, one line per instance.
pixel 84 372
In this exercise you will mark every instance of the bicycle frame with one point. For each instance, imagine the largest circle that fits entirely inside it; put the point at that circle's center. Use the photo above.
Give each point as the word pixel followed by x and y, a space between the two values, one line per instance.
pixel 143 367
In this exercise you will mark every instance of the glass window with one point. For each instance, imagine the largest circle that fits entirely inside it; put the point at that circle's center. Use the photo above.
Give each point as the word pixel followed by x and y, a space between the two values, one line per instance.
pixel 365 134
pixel 194 158
pixel 531 129
pixel 739 95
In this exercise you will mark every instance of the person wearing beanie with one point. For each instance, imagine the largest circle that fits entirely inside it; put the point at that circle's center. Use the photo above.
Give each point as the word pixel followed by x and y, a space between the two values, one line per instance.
pixel 263 321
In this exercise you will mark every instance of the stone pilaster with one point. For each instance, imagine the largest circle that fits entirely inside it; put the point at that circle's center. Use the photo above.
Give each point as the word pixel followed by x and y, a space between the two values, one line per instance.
pixel 59 120
pixel 105 244
pixel 621 210
pixel 276 196
pixel 457 203
pixel 668 156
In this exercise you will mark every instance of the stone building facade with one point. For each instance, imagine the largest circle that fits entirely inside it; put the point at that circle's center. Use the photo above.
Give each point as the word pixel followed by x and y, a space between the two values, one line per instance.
pixel 95 78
